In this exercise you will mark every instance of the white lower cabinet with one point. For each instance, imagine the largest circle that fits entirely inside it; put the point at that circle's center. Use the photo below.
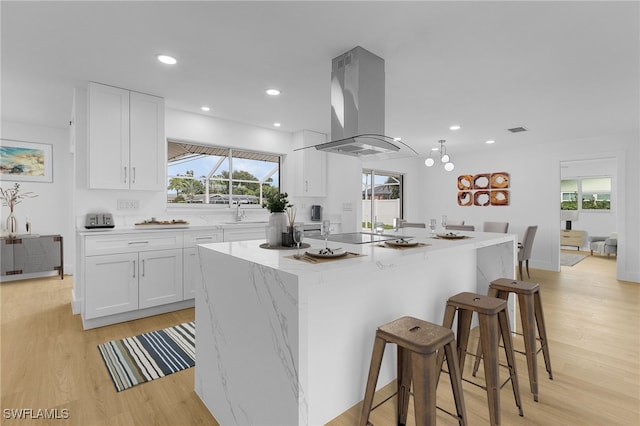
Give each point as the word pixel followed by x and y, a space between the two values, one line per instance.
pixel 159 277
pixel 130 275
pixel 125 282
pixel 111 284
pixel 191 265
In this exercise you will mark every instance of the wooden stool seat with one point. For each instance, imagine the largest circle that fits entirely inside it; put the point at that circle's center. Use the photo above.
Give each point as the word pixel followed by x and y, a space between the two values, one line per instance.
pixel 416 335
pixel 493 319
pixel 531 317
pixel 418 344
pixel 513 286
pixel 478 303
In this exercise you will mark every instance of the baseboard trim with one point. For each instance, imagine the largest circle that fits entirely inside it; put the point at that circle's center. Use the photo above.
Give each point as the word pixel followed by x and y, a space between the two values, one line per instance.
pixel 140 313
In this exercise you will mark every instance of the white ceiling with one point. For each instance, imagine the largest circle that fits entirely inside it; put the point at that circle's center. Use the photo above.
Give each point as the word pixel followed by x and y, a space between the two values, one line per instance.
pixel 564 70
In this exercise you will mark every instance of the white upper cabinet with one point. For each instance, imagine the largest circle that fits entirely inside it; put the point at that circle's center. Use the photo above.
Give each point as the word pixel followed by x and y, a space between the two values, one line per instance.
pixel 126 139
pixel 310 165
pixel 147 143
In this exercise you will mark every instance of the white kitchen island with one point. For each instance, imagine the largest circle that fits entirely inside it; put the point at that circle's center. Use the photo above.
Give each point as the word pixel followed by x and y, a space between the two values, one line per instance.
pixel 286 342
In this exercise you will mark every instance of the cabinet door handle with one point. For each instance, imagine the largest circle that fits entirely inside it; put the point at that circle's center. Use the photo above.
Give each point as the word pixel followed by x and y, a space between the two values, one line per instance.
pixel 142 268
pixel 134 269
pixel 133 176
pixel 204 238
pixel 138 242
pixel 125 174
pixel 306 186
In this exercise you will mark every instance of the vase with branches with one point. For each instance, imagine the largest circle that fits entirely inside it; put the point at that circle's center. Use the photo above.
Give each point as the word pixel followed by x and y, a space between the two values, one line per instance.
pixel 10 197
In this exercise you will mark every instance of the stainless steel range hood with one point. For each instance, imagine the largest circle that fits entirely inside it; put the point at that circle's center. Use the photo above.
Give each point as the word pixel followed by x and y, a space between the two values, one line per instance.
pixel 357 109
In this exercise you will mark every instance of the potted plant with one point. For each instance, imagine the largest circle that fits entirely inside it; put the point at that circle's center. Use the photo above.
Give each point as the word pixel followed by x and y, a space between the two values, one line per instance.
pixel 277 204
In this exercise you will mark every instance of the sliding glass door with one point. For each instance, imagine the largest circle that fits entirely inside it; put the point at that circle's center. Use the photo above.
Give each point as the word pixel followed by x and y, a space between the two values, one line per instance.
pixel 381 198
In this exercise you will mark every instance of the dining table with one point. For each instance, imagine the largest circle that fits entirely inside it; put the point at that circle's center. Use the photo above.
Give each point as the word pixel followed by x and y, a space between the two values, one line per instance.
pixel 284 339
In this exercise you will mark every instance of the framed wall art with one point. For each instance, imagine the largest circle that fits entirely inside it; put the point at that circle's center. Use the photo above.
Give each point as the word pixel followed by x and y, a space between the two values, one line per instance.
pixel 26 161
pixel 484 189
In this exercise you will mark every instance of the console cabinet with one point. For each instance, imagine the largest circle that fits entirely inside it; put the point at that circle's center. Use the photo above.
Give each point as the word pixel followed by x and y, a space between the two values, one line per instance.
pixel 573 238
pixel 28 254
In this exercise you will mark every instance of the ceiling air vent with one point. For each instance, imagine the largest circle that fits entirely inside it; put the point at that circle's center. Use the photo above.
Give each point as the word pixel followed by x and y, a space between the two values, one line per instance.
pixel 517 129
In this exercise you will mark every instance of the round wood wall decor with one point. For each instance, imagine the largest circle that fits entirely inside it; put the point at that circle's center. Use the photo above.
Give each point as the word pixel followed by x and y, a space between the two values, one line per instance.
pixel 500 197
pixel 465 198
pixel 500 180
pixel 481 198
pixel 465 182
pixel 481 181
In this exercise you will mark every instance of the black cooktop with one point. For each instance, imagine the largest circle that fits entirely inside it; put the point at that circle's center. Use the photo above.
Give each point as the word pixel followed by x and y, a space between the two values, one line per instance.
pixel 358 237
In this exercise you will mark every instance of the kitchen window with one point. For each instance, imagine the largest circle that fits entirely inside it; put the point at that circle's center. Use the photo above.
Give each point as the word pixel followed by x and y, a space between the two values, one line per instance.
pixel 381 198
pixel 216 175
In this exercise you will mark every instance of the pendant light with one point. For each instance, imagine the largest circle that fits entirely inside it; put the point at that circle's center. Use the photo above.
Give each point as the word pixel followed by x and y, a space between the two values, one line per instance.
pixel 444 157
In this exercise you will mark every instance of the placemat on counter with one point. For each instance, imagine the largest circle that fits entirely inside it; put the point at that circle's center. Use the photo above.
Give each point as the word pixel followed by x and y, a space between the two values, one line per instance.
pixel 268 247
pixel 451 239
pixel 311 259
pixel 403 247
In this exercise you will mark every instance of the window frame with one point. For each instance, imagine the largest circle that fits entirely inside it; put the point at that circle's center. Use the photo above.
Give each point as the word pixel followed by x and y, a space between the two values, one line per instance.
pixel 579 194
pixel 227 154
pixel 371 197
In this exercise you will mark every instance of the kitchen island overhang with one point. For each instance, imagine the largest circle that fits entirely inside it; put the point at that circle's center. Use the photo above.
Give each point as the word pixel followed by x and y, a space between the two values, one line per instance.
pixel 286 342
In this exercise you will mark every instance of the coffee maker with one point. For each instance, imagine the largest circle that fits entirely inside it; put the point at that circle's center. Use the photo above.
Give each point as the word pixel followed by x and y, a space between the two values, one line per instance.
pixel 316 213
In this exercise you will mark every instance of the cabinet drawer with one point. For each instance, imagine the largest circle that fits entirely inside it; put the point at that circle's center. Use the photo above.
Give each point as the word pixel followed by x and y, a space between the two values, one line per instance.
pixel 571 238
pixel 244 234
pixel 193 238
pixel 129 243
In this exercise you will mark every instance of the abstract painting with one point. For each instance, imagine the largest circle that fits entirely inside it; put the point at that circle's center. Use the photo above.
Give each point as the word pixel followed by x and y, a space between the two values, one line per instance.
pixel 25 161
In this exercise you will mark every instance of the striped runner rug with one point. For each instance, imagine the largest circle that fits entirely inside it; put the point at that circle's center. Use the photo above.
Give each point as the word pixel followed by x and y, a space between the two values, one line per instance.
pixel 149 356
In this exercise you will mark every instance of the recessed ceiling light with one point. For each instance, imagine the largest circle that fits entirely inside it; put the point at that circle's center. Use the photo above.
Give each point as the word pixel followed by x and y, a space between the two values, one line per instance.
pixel 273 92
pixel 205 108
pixel 397 139
pixel 276 124
pixel 165 59
pixel 490 142
pixel 454 127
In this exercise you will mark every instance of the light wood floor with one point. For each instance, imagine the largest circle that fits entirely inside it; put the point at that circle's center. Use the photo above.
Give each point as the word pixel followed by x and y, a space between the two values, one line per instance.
pixel 48 361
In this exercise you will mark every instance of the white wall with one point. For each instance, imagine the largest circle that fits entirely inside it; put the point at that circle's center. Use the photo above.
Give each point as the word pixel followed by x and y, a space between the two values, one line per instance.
pixel 534 189
pixel 50 212
pixel 344 177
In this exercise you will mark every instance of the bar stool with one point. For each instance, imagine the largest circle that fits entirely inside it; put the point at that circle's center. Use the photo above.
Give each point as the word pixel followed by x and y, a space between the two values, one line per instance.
pixel 530 314
pixel 493 320
pixel 417 343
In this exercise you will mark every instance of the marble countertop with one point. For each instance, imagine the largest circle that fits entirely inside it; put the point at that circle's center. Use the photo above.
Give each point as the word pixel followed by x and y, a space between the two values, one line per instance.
pixel 179 226
pixel 376 253
pixel 172 227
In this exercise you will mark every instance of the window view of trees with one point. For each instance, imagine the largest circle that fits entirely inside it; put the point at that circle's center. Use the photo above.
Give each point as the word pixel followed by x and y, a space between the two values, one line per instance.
pixel 199 174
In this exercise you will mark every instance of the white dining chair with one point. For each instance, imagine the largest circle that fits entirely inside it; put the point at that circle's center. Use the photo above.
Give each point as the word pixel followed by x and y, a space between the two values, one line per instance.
pixel 502 227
